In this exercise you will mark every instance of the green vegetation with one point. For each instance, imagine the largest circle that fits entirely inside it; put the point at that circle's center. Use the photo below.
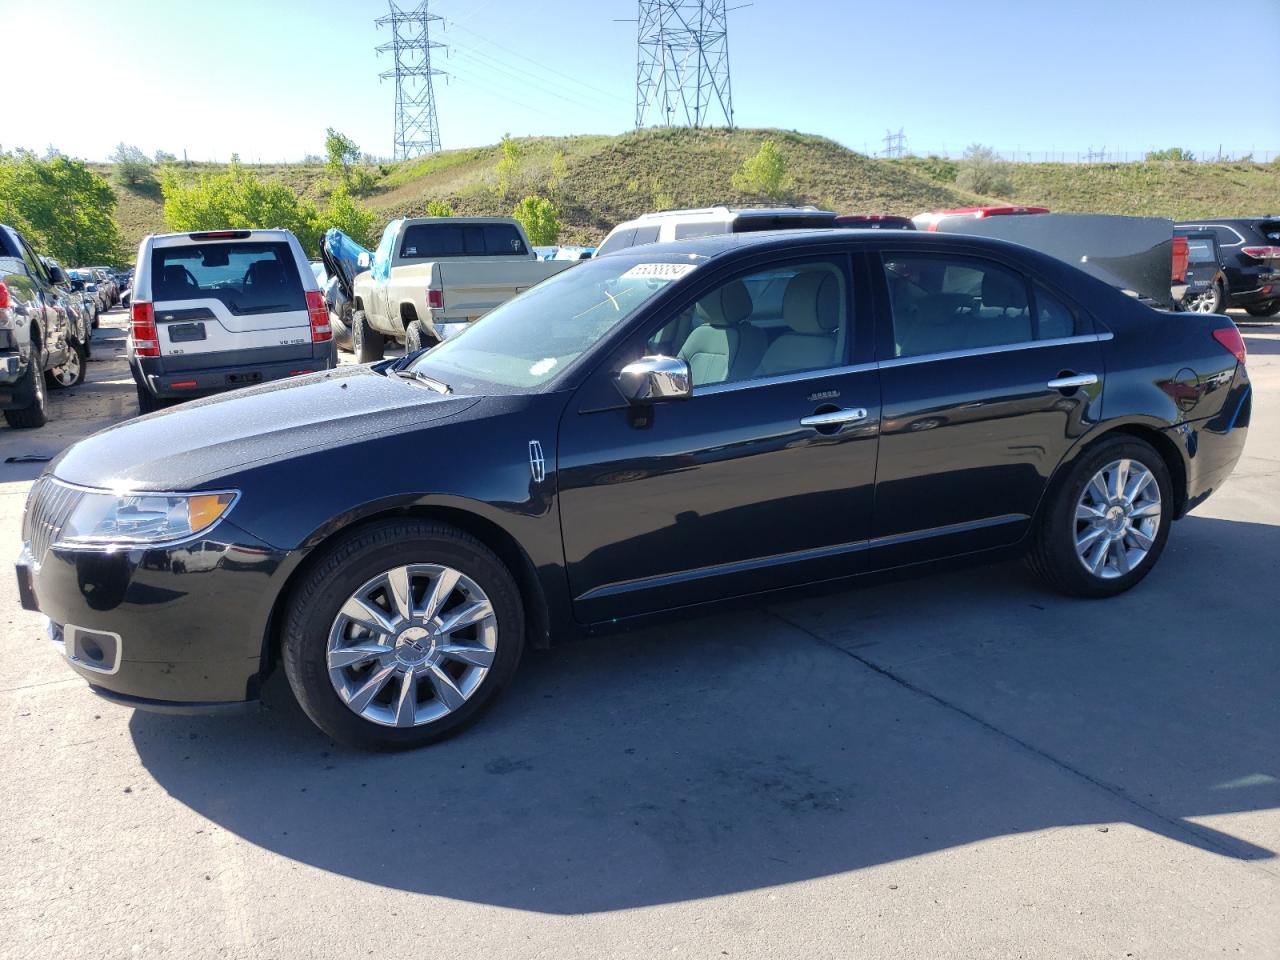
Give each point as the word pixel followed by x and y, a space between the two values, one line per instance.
pixel 439 208
pixel 133 167
pixel 764 174
pixel 63 208
pixel 597 181
pixel 343 160
pixel 1176 154
pixel 540 219
pixel 982 170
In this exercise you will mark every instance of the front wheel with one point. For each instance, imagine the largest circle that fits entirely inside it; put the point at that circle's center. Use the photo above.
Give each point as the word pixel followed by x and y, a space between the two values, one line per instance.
pixel 1107 523
pixel 1269 309
pixel 401 634
pixel 36 412
pixel 369 344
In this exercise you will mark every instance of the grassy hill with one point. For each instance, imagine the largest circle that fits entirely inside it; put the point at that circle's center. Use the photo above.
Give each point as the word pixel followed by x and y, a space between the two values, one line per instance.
pixel 598 181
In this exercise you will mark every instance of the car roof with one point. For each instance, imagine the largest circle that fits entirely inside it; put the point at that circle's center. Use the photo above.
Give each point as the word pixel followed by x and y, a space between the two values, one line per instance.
pixel 723 244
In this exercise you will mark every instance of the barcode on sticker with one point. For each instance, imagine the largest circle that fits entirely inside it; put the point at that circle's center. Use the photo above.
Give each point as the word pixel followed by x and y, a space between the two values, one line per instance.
pixel 659 271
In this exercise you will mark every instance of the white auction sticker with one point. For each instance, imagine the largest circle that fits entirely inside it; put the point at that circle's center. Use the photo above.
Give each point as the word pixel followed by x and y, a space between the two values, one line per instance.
pixel 659 271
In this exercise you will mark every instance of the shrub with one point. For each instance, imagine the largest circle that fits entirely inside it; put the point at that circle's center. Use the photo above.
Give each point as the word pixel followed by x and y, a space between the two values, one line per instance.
pixel 982 170
pixel 764 173
pixel 509 165
pixel 540 219
pixel 439 208
pixel 1176 154
pixel 133 167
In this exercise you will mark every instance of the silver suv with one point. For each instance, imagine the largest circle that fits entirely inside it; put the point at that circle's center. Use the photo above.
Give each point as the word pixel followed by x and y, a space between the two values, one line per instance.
pixel 223 309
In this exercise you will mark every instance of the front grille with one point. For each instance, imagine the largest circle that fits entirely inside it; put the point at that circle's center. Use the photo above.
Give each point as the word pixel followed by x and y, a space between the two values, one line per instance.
pixel 48 506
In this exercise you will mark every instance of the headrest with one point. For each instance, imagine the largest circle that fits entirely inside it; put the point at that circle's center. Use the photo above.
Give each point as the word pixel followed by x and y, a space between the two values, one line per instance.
pixel 265 273
pixel 812 302
pixel 728 306
pixel 176 277
pixel 1000 289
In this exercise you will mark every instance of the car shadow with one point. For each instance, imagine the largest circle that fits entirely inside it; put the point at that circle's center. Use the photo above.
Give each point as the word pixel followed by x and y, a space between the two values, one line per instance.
pixel 1261 346
pixel 789 741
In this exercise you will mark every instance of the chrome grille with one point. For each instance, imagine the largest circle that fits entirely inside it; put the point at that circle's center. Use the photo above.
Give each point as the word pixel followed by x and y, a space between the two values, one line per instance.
pixel 48 506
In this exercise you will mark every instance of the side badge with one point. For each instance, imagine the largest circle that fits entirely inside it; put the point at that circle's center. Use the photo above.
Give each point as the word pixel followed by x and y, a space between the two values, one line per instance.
pixel 537 465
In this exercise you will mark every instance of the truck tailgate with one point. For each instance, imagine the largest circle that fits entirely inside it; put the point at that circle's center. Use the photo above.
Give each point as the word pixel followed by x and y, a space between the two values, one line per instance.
pixel 474 287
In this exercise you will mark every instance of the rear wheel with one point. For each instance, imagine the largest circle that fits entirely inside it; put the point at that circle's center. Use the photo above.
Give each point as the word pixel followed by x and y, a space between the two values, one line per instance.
pixel 71 372
pixel 1213 300
pixel 148 402
pixel 369 344
pixel 401 634
pixel 1108 522
pixel 36 412
pixel 341 332
pixel 416 338
pixel 1269 309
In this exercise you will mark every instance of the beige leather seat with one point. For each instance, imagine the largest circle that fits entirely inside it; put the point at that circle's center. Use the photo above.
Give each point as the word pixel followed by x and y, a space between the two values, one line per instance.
pixel 723 347
pixel 812 309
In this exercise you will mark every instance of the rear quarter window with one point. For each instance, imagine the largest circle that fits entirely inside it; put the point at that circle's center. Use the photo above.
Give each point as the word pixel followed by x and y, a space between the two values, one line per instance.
pixel 246 277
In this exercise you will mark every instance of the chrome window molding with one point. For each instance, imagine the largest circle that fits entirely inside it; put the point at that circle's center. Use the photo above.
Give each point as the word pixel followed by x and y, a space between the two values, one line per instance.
pixel 998 348
pixel 730 387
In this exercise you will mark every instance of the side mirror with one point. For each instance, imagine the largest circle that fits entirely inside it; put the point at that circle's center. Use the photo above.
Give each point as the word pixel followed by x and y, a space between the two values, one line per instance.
pixel 56 274
pixel 655 379
pixel 364 261
pixel 77 284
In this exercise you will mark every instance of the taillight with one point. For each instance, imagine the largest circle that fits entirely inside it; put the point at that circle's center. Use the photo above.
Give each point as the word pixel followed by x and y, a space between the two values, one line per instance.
pixel 1262 253
pixel 5 300
pixel 142 330
pixel 435 298
pixel 318 314
pixel 1230 338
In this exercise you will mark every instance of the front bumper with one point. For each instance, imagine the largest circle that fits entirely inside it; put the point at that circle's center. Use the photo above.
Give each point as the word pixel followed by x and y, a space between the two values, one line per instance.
pixel 184 624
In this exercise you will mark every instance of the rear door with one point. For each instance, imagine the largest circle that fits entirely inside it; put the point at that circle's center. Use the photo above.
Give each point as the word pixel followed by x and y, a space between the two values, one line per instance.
pixel 219 302
pixel 987 378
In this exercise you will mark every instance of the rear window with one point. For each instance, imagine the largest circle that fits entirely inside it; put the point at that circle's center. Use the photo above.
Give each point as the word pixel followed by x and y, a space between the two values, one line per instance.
pixel 1201 250
pixel 426 241
pixel 247 277
pixel 1270 229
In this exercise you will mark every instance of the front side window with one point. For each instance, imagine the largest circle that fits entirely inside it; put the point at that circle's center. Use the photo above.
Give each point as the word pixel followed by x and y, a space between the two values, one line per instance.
pixel 784 320
pixel 943 304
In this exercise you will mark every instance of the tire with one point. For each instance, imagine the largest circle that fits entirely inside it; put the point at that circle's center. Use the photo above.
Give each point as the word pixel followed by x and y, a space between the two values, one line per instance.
pixel 36 413
pixel 416 338
pixel 71 372
pixel 316 621
pixel 1213 300
pixel 369 345
pixel 1054 553
pixel 148 402
pixel 1269 309
pixel 341 332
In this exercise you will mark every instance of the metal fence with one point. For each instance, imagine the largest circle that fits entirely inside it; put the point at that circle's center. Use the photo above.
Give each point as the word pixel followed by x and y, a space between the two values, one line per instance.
pixel 1088 155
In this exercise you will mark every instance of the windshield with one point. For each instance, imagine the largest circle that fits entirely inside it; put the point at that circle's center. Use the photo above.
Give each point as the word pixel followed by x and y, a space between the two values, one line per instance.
pixel 530 340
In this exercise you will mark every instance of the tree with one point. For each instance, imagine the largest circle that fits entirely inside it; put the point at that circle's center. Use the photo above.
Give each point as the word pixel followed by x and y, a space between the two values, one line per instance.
pixel 164 156
pixel 764 173
pixel 133 167
pixel 508 165
pixel 540 219
pixel 238 199
pixel 1176 154
pixel 342 153
pixel 348 216
pixel 982 170
pixel 62 207
pixel 439 208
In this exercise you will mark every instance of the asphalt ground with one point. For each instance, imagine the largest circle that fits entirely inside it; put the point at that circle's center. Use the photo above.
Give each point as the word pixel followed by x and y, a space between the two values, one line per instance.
pixel 962 766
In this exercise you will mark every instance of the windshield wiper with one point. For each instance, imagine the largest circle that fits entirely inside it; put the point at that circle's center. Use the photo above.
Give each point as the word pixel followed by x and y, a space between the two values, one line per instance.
pixel 422 378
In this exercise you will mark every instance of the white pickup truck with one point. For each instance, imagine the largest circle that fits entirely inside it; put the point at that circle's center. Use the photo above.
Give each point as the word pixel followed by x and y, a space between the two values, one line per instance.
pixel 432 276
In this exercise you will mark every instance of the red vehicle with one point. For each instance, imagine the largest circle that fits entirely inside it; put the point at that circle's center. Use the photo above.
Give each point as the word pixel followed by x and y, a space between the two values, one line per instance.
pixel 1181 260
pixel 929 221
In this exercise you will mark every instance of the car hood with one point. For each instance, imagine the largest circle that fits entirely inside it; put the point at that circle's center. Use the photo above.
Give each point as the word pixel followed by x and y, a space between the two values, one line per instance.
pixel 199 441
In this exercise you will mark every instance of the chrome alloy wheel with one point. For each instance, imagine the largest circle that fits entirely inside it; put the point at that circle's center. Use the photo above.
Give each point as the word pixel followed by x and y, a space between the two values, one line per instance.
pixel 1117 519
pixel 412 645
pixel 69 372
pixel 1206 302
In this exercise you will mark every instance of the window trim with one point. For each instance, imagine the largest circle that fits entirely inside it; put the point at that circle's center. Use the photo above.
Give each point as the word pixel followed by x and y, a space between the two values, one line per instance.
pixel 999 348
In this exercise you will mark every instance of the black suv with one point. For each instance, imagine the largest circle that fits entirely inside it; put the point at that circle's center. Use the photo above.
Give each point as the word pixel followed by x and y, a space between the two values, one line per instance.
pixel 1250 248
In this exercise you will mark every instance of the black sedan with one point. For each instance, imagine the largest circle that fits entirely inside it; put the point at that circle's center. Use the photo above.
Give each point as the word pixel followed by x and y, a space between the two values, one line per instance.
pixel 664 428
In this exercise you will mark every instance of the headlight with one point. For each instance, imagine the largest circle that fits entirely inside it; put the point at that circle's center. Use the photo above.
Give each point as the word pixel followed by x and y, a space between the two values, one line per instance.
pixel 142 518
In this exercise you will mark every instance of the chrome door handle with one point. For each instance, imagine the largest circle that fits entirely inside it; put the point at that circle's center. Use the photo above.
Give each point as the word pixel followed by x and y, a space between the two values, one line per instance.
pixel 1073 381
pixel 834 418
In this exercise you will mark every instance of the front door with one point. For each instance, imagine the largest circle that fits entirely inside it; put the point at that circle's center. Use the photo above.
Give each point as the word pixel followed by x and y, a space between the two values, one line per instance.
pixel 763 478
pixel 987 380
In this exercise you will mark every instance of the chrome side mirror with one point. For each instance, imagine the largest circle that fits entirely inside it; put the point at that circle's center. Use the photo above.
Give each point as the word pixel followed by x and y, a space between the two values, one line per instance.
pixel 655 379
pixel 363 260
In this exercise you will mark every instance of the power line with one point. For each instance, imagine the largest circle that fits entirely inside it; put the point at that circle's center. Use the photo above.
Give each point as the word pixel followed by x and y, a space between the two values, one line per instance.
pixel 417 128
pixel 487 62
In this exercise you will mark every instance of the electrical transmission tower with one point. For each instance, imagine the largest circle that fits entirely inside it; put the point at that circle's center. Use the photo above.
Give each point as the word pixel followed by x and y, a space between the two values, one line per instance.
pixel 682 63
pixel 895 144
pixel 417 130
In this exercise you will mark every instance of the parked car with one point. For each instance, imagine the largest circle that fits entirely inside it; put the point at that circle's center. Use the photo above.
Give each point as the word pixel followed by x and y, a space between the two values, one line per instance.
pixel 1250 249
pixel 650 431
pixel 935 219
pixel 670 225
pixel 92 286
pixel 1178 277
pixel 34 336
pixel 72 303
pixel 341 257
pixel 874 221
pixel 222 309
pixel 1206 281
pixel 432 276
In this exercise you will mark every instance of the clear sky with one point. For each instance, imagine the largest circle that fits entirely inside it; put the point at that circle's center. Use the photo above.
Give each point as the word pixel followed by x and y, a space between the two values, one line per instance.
pixel 263 78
